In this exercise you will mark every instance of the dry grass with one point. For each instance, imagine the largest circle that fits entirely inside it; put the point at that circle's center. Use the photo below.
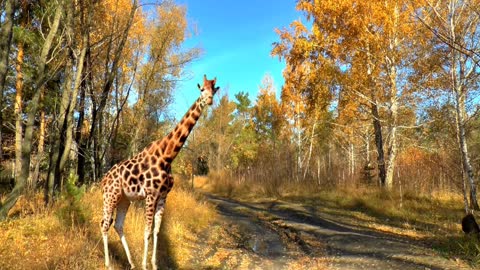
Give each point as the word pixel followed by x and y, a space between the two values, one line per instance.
pixel 223 184
pixel 67 236
pixel 37 238
pixel 422 215
pixel 434 217
pixel 435 213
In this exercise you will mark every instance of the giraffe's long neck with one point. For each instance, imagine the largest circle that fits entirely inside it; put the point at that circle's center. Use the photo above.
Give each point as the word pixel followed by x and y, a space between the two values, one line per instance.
pixel 175 139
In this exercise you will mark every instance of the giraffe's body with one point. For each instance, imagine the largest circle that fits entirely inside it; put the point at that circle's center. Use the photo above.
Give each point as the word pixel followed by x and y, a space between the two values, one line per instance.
pixel 147 176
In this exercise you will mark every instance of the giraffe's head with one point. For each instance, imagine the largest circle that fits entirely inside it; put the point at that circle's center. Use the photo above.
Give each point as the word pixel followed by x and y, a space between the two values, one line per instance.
pixel 208 89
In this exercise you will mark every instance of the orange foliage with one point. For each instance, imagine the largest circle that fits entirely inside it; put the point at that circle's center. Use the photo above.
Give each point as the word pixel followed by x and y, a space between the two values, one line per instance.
pixel 413 156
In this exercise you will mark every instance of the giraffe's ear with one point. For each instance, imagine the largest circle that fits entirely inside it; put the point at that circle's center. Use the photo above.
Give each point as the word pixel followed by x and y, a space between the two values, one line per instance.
pixel 217 88
pixel 199 87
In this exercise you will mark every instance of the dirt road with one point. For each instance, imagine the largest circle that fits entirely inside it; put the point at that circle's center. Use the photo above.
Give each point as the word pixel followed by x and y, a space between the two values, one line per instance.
pixel 281 235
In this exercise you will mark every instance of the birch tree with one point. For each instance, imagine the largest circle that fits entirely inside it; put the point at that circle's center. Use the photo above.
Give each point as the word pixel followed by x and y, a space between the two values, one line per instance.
pixel 455 25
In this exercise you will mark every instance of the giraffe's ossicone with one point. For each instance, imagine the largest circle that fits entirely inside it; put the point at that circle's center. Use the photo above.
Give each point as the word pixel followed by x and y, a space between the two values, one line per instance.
pixel 147 176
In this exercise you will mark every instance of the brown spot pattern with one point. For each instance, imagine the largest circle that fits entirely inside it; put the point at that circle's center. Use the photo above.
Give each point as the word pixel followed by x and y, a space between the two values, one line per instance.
pixel 149 171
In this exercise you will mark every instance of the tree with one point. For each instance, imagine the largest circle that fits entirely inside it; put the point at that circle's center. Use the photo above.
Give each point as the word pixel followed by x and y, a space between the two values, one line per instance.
pixel 5 43
pixel 112 57
pixel 355 48
pixel 72 76
pixel 158 76
pixel 454 23
pixel 245 146
pixel 267 114
pixel 39 81
pixel 219 127
pixel 74 81
pixel 19 89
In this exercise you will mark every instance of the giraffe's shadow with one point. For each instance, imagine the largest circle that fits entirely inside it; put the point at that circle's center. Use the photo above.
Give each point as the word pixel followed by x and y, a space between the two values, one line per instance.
pixel 118 257
pixel 165 259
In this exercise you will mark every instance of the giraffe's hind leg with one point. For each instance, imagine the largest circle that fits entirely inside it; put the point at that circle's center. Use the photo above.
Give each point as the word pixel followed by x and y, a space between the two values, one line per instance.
pixel 122 209
pixel 110 202
pixel 150 203
pixel 156 229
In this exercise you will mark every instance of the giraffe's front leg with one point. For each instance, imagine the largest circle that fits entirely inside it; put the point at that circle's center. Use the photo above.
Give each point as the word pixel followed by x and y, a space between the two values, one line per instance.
pixel 105 225
pixel 149 213
pixel 158 221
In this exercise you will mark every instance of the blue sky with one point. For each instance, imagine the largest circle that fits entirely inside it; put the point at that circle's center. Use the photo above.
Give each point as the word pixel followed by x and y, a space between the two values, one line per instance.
pixel 236 38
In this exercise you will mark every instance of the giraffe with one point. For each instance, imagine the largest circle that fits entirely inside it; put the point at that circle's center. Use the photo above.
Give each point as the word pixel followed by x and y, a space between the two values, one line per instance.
pixel 147 176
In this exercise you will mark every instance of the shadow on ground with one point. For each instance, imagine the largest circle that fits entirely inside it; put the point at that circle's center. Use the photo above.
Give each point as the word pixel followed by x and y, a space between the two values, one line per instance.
pixel 339 245
pixel 165 259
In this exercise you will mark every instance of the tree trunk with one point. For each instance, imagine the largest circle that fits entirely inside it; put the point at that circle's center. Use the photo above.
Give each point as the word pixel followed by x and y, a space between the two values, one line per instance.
pixel 140 113
pixel 119 108
pixel 367 145
pixel 82 138
pixel 73 100
pixel 110 73
pixel 41 142
pixel 392 74
pixel 62 147
pixel 352 159
pixel 54 175
pixel 32 110
pixel 79 138
pixel 310 149
pixel 5 42
pixel 462 140
pixel 392 148
pixel 18 109
pixel 377 127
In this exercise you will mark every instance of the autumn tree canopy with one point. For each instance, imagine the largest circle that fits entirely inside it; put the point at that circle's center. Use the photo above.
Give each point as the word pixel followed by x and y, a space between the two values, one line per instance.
pixel 374 93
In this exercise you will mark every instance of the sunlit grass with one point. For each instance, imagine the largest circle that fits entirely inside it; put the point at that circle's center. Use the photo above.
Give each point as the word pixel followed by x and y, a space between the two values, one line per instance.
pixel 67 235
pixel 430 214
pixel 434 218
pixel 36 238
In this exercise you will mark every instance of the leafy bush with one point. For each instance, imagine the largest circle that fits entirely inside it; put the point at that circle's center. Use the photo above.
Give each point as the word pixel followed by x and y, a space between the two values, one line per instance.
pixel 72 212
